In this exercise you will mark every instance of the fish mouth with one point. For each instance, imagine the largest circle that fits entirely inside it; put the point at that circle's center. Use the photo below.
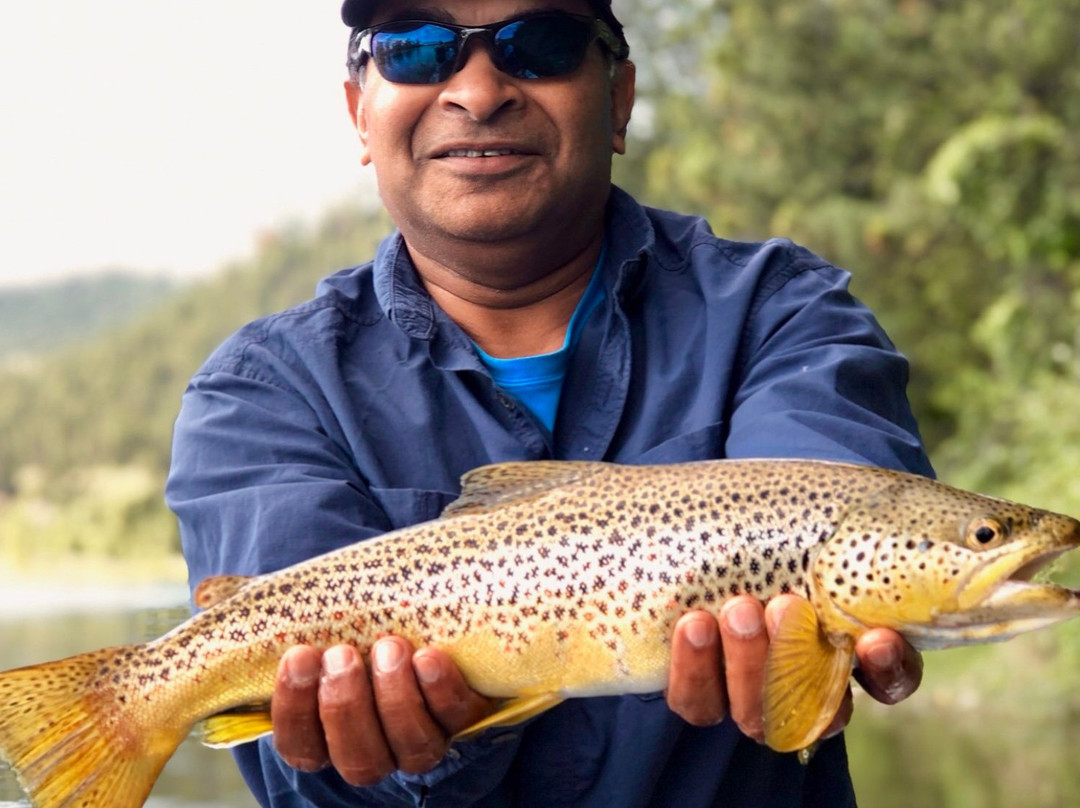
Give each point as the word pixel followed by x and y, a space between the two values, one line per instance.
pixel 1001 599
pixel 1032 568
pixel 1020 588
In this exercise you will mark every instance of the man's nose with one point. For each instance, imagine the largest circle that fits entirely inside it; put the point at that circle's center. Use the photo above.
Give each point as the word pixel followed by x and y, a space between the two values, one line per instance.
pixel 479 87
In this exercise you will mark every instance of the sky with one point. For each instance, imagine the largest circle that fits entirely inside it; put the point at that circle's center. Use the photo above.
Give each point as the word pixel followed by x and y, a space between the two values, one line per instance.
pixel 165 136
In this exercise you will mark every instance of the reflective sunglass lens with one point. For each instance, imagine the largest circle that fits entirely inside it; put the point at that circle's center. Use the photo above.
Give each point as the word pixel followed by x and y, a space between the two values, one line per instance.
pixel 541 47
pixel 423 55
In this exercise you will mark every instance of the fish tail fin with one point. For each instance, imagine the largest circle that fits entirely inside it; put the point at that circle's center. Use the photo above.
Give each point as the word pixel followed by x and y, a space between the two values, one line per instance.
pixel 71 738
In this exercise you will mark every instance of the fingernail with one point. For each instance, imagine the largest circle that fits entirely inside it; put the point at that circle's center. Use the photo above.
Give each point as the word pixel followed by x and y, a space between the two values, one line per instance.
pixel 884 656
pixel 337 660
pixel 743 619
pixel 303 669
pixel 427 669
pixel 388 656
pixel 698 634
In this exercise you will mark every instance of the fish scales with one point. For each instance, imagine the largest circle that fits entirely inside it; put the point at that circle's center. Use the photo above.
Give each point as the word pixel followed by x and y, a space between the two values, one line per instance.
pixel 549 580
pixel 620 551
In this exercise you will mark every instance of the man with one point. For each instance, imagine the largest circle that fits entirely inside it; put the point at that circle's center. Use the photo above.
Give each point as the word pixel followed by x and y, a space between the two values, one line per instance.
pixel 526 309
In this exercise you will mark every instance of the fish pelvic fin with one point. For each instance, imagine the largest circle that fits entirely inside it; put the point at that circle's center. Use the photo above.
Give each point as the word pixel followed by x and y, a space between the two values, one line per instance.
pixel 71 740
pixel 513 711
pixel 237 726
pixel 806 677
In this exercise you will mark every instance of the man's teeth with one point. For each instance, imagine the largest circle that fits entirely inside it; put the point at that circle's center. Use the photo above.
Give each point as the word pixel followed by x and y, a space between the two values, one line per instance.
pixel 479 152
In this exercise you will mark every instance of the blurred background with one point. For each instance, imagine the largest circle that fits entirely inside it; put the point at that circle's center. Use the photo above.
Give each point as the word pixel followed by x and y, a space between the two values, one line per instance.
pixel 168 175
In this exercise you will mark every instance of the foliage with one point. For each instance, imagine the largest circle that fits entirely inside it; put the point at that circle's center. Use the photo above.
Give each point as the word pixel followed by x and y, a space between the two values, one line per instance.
pixel 941 165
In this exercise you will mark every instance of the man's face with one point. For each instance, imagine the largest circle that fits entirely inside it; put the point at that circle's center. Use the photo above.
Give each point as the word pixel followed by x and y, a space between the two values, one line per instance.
pixel 553 138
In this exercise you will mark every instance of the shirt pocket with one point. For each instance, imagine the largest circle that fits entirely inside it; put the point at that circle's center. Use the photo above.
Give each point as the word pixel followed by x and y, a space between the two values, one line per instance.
pixel 408 506
pixel 706 443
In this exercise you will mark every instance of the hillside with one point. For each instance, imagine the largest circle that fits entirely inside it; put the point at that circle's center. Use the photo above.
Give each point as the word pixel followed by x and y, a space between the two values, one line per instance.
pixel 43 317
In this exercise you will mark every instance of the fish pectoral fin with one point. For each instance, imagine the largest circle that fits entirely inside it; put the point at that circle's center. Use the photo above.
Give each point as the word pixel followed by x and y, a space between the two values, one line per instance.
pixel 806 677
pixel 217 588
pixel 237 726
pixel 513 711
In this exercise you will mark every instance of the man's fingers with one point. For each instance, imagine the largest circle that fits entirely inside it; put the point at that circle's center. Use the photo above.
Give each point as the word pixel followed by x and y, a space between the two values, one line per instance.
pixel 451 701
pixel 354 739
pixel 774 611
pixel 746 647
pixel 416 739
pixel 294 710
pixel 696 681
pixel 889 669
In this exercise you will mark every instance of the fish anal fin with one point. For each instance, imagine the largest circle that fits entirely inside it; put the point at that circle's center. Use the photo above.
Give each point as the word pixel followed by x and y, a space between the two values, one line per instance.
pixel 513 712
pixel 237 726
pixel 806 677
pixel 217 588
pixel 498 484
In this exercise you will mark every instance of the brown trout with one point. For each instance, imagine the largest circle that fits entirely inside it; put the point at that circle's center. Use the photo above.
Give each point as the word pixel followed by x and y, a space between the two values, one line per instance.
pixel 555 580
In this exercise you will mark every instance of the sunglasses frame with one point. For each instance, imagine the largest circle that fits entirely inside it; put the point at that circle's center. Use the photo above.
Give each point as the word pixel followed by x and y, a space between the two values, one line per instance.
pixel 362 51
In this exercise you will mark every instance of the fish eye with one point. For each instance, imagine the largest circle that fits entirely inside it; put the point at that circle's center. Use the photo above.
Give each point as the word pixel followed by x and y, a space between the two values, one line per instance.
pixel 984 533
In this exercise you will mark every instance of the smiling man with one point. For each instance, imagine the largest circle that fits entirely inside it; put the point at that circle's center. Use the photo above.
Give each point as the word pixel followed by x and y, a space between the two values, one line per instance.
pixel 525 309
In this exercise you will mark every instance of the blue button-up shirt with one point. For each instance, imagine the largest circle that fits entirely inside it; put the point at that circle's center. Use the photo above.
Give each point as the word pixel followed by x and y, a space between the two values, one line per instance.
pixel 357 412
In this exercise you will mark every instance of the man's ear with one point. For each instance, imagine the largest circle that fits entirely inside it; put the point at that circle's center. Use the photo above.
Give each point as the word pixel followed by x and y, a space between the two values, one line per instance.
pixel 622 103
pixel 354 95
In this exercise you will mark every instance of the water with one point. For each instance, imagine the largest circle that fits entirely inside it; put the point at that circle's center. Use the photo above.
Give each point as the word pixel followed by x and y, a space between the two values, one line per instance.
pixel 41 624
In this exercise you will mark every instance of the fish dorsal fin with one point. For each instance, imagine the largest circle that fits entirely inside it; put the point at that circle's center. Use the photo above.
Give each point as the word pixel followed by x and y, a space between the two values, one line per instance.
pixel 498 484
pixel 217 588
pixel 806 677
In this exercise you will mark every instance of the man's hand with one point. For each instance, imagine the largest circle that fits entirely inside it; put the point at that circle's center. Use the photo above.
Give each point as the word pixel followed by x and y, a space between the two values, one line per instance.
pixel 327 710
pixel 718 667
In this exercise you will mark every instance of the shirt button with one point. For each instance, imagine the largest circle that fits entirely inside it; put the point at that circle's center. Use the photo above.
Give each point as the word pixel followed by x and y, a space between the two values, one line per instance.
pixel 506 401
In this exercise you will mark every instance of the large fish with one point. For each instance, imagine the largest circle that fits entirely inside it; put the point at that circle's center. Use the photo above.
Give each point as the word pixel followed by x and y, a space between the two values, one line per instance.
pixel 555 580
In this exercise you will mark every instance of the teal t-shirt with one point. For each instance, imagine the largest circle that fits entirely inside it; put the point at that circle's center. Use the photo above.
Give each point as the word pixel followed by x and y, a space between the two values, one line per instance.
pixel 536 381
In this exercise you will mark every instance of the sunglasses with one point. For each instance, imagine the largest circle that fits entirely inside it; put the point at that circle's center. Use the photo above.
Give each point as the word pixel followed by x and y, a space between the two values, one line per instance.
pixel 533 46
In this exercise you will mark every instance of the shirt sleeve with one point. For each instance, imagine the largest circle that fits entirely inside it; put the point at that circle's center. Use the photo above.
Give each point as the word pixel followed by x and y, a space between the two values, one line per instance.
pixel 258 483
pixel 821 379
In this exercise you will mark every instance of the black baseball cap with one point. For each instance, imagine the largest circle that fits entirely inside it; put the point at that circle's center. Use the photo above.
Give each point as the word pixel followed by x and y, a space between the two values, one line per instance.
pixel 358 14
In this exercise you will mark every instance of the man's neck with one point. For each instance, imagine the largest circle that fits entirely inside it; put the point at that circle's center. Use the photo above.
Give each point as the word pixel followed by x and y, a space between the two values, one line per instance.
pixel 511 309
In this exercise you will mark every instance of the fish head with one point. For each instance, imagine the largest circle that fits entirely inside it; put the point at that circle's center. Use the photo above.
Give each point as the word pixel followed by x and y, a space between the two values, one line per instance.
pixel 942 566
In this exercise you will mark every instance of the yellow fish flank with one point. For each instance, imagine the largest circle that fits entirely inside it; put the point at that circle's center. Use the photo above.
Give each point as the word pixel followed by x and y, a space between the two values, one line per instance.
pixel 555 580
